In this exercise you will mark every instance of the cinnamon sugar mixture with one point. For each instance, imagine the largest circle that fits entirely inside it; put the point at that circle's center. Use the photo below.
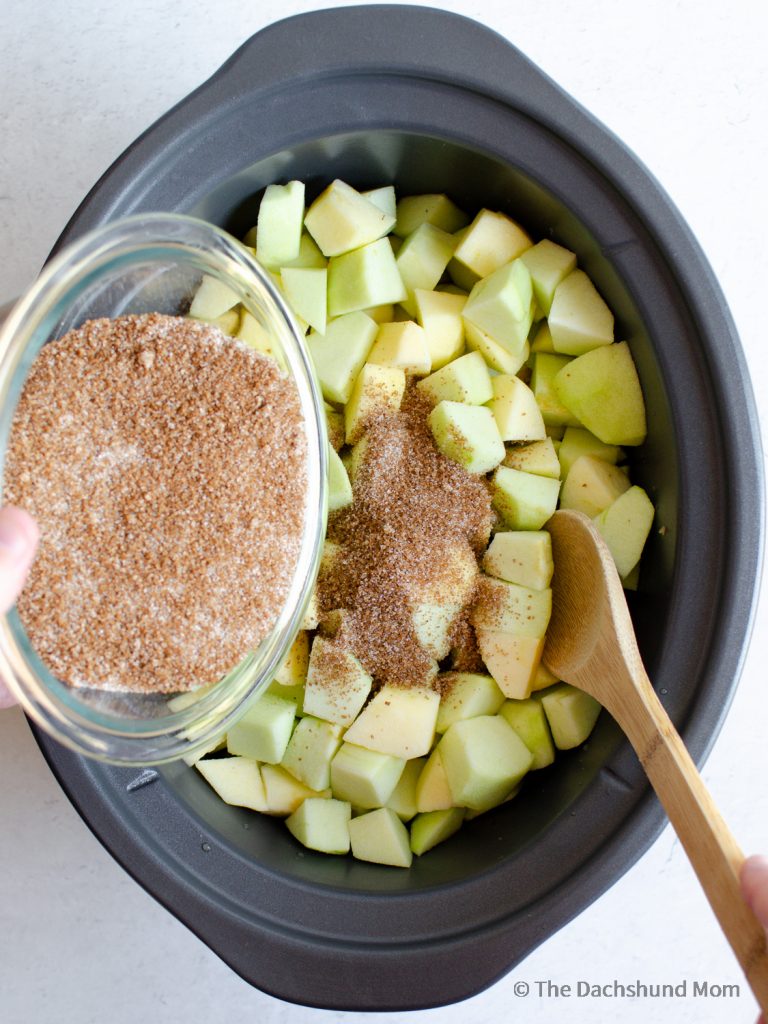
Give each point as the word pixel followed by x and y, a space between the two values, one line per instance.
pixel 417 520
pixel 166 467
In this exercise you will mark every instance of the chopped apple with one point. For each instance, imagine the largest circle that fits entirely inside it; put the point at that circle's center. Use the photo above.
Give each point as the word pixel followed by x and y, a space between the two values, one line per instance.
pixel 403 799
pixel 236 780
pixel 528 720
pixel 381 838
pixel 427 830
pixel 311 613
pixel 484 759
pixel 404 346
pixel 521 556
pixel 602 389
pixel 397 721
pixel 501 305
pixel 285 794
pixel 490 241
pixel 334 422
pixel 432 790
pixel 437 209
pixel 322 825
pixel 571 714
pixel 341 219
pixel 264 730
pixel 542 339
pixel 466 695
pixel 511 660
pixel 439 313
pixel 578 442
pixel 377 389
pixel 625 526
pixel 383 314
pixel 467 434
pixel 432 623
pixel 548 265
pixel 364 277
pixel 515 410
pixel 367 778
pixel 340 354
pixel 524 501
pixel 512 608
pixel 465 379
pixel 310 750
pixel 421 260
pixel 212 299
pixel 384 198
pixel 309 258
pixel 278 230
pixel 293 693
pixel 592 485
pixel 579 320
pixel 495 355
pixel 545 369
pixel 307 292
pixel 293 670
pixel 543 678
pixel 538 457
pixel 339 487
pixel 337 684
pixel 255 335
pixel 229 322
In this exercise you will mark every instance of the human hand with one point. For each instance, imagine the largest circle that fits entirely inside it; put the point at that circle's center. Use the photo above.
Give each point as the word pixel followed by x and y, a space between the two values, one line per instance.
pixel 754 886
pixel 18 543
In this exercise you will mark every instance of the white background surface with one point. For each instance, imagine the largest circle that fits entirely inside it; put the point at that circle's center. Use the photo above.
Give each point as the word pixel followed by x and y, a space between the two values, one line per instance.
pixel 685 85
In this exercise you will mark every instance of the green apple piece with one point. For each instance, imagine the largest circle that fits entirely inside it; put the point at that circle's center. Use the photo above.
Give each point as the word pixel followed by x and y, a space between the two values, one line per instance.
pixel 403 799
pixel 404 346
pixel 467 434
pixel 546 367
pixel 236 780
pixel 321 825
pixel 439 313
pixel 381 838
pixel 310 750
pixel 632 580
pixel 220 743
pixel 255 335
pixel 339 487
pixel 432 623
pixel 528 720
pixel 625 525
pixel 432 790
pixel 340 354
pixel 264 730
pixel 293 670
pixel 466 695
pixel 543 678
pixel 578 442
pixel 515 410
pixel 555 433
pixel 367 778
pixel 398 721
pixel 189 698
pixel 383 198
pixel 542 339
pixel 465 379
pixel 285 794
pixel 334 422
pixel 490 241
pixel 311 613
pixel 571 714
pixel 383 314
pixel 309 258
pixel 602 389
pixel 538 457
pixel 293 693
pixel 548 264
pixel 228 323
pixel 307 293
pixel 341 219
pixel 484 759
pixel 436 209
pixel 521 556
pixel 579 320
pixel 422 259
pixel 524 501
pixel 500 305
pixel 364 277
pixel 511 608
pixel 212 298
pixel 427 830
pixel 378 389
pixel 511 660
pixel 279 225
pixel 495 355
pixel 471 814
pixel 337 684
pixel 592 485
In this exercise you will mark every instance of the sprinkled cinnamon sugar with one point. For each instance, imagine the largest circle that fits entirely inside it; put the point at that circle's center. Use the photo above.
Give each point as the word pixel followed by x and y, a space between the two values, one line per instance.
pixel 166 466
pixel 412 534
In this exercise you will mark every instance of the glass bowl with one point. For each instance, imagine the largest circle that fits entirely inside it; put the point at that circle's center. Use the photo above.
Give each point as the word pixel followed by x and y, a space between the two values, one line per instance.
pixel 154 263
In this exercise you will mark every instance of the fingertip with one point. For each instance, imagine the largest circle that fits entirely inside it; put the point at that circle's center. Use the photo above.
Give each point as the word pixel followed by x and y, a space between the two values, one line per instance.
pixel 754 885
pixel 16 521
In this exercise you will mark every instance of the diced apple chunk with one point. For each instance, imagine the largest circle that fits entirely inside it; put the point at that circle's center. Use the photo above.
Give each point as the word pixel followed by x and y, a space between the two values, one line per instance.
pixel 515 410
pixel 579 320
pixel 521 556
pixel 501 305
pixel 495 355
pixel 309 258
pixel 490 241
pixel 542 339
pixel 364 277
pixel 397 721
pixel 592 485
pixel 377 389
pixel 337 684
pixel 524 501
pixel 546 367
pixel 322 825
pixel 421 260
pixel 571 714
pixel 432 790
pixel 366 778
pixel 467 434
pixel 528 720
pixel 578 442
pixel 484 759
pixel 511 660
pixel 293 670
pixel 548 264
pixel 427 830
pixel 310 751
pixel 236 780
pixel 404 346
pixel 465 379
pixel 436 209
pixel 512 608
pixel 625 526
pixel 432 623
pixel 340 354
pixel 439 313
pixel 264 730
pixel 339 487
pixel 381 838
pixel 403 799
pixel 602 389
pixel 278 231
pixel 543 678
pixel 466 695
pixel 384 198
pixel 212 298
pixel 285 794
pixel 538 457
pixel 340 219
pixel 307 292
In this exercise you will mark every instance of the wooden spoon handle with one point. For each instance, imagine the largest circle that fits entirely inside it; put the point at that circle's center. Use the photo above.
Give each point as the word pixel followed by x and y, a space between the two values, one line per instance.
pixel 712 850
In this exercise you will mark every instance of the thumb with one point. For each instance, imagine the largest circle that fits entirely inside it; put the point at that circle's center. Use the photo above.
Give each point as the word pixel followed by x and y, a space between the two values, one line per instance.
pixel 18 543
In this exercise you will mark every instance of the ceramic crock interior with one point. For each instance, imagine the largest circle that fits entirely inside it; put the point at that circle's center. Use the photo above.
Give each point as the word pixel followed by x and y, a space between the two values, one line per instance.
pixel 416 163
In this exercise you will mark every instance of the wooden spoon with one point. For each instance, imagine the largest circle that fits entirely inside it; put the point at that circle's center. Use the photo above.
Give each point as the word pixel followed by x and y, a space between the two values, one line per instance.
pixel 591 644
